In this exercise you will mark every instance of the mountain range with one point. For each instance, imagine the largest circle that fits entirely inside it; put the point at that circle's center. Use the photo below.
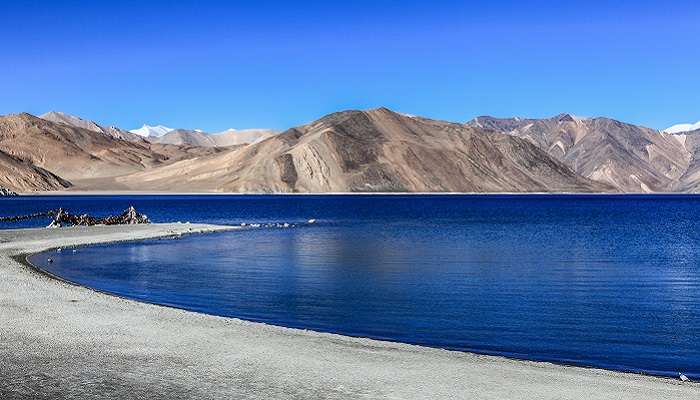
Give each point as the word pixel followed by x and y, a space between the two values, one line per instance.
pixel 197 137
pixel 628 157
pixel 375 150
pixel 230 137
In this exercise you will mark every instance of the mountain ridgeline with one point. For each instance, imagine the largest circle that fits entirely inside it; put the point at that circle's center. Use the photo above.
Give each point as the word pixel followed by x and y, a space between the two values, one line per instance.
pixel 375 151
pixel 352 151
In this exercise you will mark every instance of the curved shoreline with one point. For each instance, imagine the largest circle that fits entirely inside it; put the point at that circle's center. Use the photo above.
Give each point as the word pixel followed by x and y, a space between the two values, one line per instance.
pixel 292 361
pixel 24 259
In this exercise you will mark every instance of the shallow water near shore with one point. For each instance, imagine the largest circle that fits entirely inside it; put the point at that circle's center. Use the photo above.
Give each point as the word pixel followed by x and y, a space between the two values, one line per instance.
pixel 604 281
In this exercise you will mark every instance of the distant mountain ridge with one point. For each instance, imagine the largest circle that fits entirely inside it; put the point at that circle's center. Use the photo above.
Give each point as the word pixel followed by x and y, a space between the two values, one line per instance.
pixel 165 135
pixel 230 137
pixel 351 151
pixel 71 120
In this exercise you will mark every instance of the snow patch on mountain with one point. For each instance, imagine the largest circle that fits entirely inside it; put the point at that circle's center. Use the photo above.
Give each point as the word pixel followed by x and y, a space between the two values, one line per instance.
pixel 683 128
pixel 151 131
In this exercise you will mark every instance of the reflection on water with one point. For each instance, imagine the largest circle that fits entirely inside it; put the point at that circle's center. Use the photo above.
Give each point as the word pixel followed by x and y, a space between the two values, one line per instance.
pixel 603 281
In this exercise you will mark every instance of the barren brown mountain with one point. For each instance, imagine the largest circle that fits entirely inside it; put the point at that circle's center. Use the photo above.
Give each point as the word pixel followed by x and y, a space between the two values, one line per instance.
pixel 22 176
pixel 373 151
pixel 353 151
pixel 629 157
pixel 45 150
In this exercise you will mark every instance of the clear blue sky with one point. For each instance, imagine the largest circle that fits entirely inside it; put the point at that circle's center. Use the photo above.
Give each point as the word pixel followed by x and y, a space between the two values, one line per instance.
pixel 220 64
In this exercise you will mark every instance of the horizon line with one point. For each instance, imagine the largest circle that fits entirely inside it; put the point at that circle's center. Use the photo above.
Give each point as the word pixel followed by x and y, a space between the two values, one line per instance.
pixel 410 115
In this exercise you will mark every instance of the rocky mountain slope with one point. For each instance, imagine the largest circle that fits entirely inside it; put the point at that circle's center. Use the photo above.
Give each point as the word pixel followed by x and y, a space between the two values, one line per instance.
pixel 690 180
pixel 376 150
pixel 22 176
pixel 629 157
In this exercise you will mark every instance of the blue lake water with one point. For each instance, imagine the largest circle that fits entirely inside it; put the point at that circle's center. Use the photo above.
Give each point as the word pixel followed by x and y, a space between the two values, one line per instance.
pixel 606 281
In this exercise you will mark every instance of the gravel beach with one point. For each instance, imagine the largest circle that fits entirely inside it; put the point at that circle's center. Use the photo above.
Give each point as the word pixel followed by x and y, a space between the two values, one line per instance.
pixel 60 341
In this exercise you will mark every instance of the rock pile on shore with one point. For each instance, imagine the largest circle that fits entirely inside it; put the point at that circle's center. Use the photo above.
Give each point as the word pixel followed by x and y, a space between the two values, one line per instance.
pixel 6 192
pixel 129 217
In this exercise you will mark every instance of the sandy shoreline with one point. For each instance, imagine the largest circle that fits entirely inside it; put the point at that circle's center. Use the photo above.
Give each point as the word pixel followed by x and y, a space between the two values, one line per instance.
pixel 64 341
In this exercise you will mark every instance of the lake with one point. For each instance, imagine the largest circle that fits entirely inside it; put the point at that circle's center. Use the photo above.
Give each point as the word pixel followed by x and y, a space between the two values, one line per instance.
pixel 604 281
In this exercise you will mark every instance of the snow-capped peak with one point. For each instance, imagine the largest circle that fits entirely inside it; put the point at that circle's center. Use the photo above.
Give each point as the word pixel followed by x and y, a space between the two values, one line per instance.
pixel 151 131
pixel 679 128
